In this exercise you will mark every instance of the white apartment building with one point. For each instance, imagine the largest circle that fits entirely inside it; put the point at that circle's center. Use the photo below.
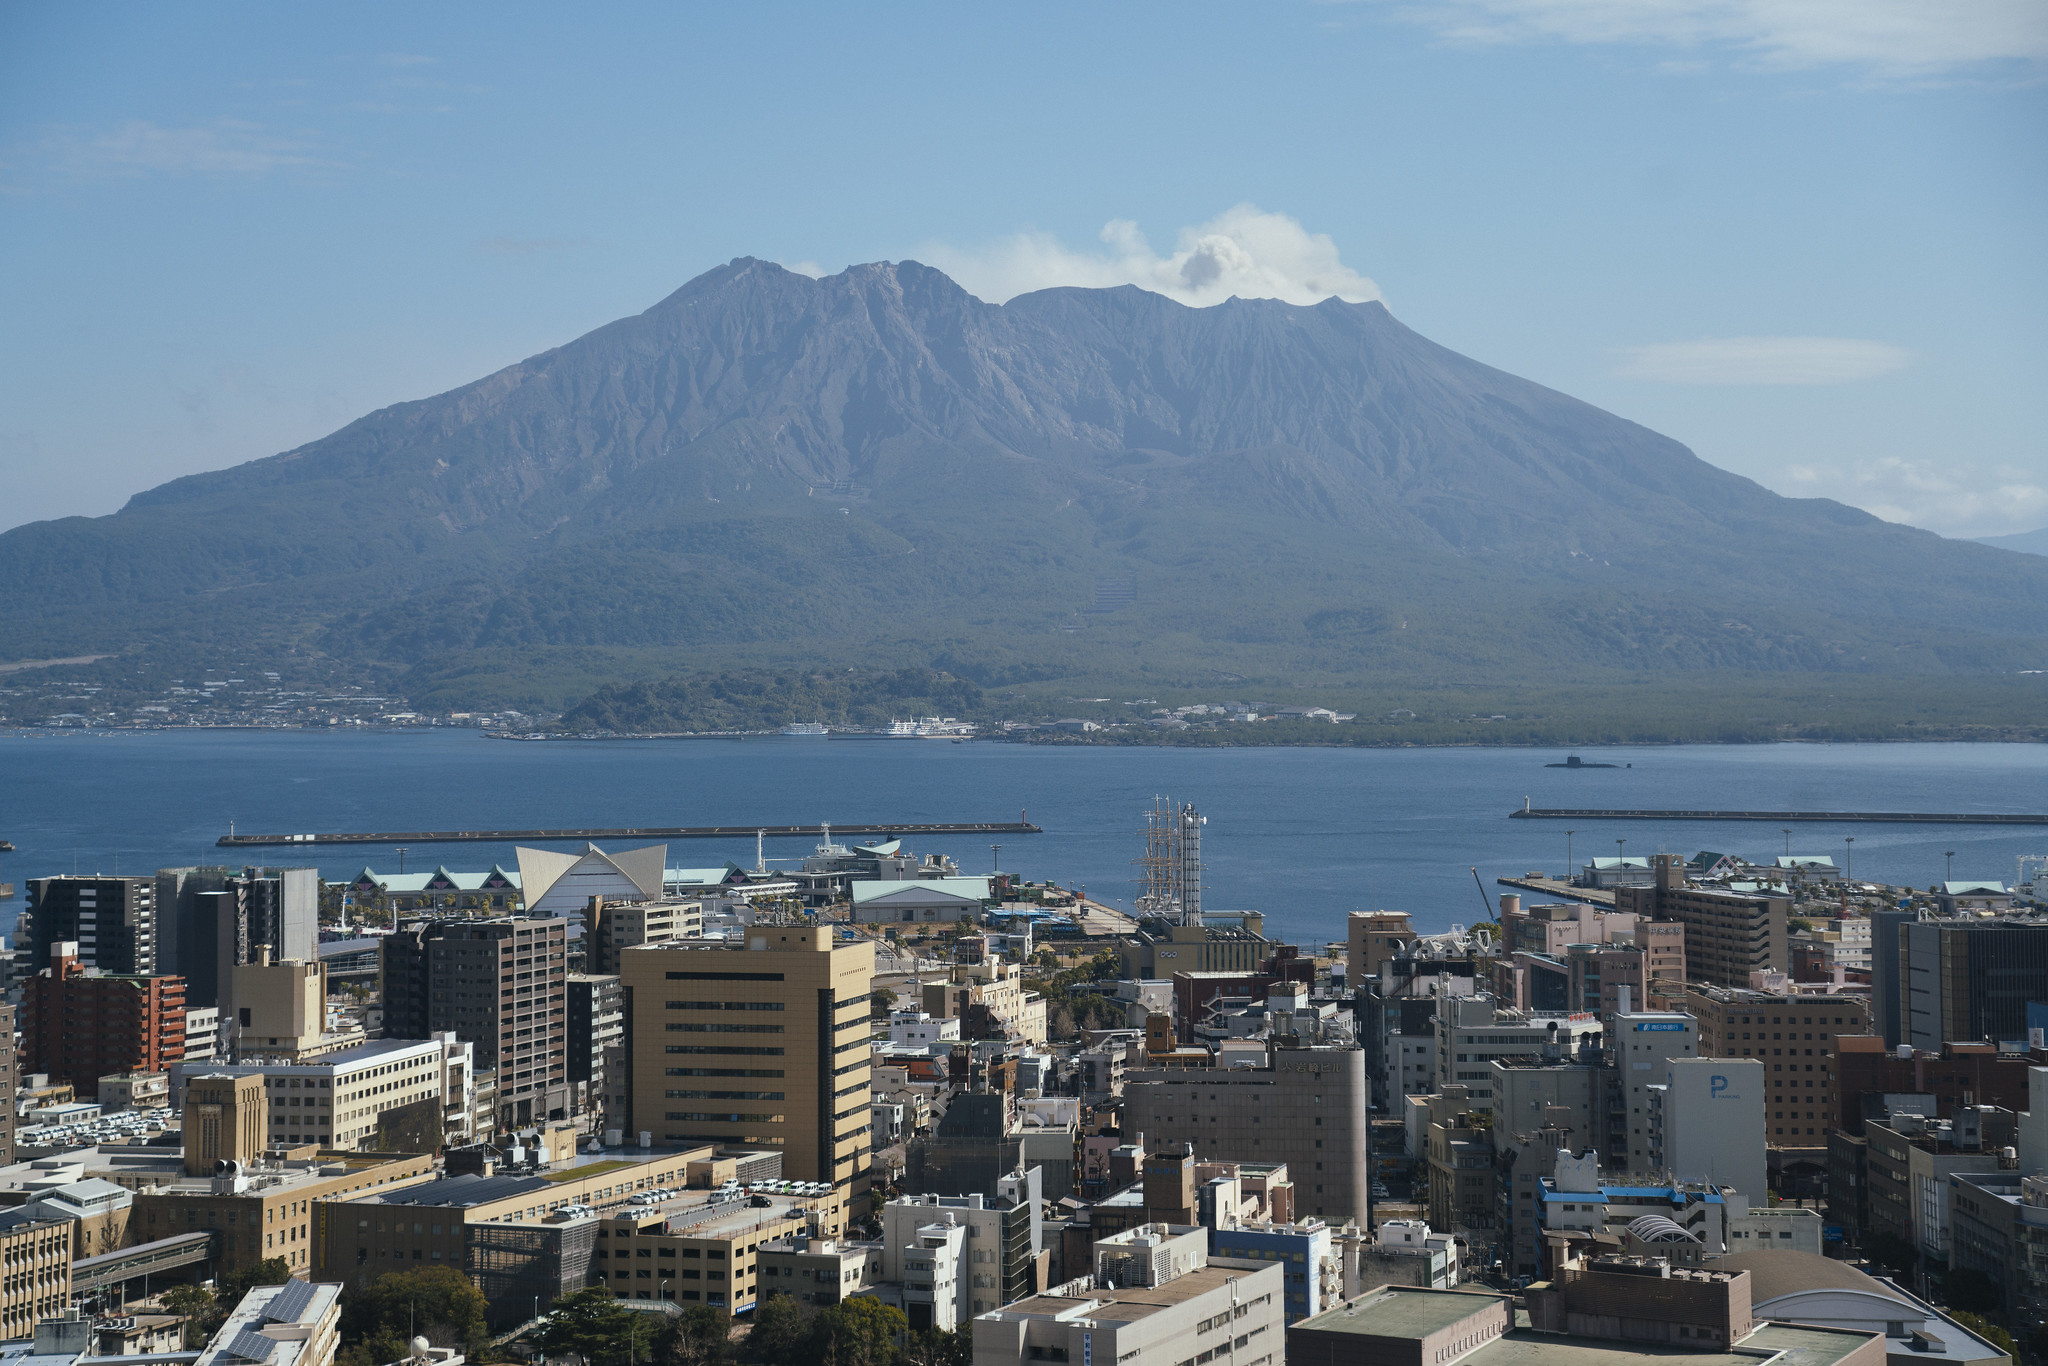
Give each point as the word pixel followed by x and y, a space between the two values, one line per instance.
pixel 1154 1298
pixel 1471 1033
pixel 336 1101
pixel 202 1033
pixel 915 1029
pixel 959 1255
pixel 1706 1123
pixel 1644 1041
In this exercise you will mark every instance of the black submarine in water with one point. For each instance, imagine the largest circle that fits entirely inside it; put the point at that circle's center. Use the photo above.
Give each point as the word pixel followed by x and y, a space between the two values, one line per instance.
pixel 1574 761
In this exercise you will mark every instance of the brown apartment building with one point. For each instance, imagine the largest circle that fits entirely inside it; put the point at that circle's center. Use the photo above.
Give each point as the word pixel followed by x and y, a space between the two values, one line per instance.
pixel 500 984
pixel 761 1044
pixel 1371 938
pixel 1798 1040
pixel 79 1028
pixel 1728 935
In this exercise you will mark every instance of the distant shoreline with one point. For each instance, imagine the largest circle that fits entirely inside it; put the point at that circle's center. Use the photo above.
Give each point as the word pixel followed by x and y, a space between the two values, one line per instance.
pixel 2036 735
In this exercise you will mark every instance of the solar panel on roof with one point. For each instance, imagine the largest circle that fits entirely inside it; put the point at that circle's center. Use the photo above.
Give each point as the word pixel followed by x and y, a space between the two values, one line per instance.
pixel 251 1346
pixel 289 1302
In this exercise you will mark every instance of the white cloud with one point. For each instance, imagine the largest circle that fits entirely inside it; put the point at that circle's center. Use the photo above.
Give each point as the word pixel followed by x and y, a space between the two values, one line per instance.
pixel 1956 497
pixel 1762 360
pixel 1891 37
pixel 139 147
pixel 805 267
pixel 1244 252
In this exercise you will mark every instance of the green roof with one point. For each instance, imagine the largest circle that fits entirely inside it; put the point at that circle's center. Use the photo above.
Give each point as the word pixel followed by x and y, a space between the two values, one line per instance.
pixel 1401 1312
pixel 1795 1345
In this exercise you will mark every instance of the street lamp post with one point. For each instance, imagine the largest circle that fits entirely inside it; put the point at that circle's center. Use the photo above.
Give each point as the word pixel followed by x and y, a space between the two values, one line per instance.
pixel 1788 840
pixel 1950 855
pixel 1849 859
pixel 1567 856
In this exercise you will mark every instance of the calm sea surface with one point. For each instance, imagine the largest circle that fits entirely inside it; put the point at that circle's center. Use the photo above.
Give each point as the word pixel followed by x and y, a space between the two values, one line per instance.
pixel 1303 834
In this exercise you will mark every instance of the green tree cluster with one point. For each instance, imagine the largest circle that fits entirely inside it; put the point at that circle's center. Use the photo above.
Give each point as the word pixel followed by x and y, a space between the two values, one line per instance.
pixel 206 1310
pixel 1990 1332
pixel 748 700
pixel 862 1331
pixel 1071 1011
pixel 438 1303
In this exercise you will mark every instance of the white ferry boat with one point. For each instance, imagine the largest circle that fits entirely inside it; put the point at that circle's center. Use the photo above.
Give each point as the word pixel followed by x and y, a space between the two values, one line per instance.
pixel 805 728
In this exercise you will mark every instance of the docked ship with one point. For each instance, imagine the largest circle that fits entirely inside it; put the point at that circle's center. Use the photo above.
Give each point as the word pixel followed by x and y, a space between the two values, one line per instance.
pixel 805 728
pixel 923 728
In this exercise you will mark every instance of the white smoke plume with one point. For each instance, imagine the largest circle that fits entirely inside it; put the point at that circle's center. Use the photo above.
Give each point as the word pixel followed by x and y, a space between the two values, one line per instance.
pixel 1244 252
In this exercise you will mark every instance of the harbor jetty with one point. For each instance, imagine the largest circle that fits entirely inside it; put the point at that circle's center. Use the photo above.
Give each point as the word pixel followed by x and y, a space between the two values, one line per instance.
pixel 647 832
pixel 1560 813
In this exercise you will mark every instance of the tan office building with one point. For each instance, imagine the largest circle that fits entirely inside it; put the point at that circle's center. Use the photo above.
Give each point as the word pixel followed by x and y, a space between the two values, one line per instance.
pixel 277 1010
pixel 1797 1038
pixel 623 925
pixel 35 1255
pixel 761 1044
pixel 262 1206
pixel 1372 938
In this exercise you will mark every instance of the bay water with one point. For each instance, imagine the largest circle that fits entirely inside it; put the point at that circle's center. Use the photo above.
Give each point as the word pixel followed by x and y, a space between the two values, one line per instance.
pixel 1302 834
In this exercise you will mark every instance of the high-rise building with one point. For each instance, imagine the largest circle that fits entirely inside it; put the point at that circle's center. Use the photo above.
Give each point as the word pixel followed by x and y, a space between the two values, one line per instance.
pixel 761 1043
pixel 597 1042
pixel 10 1082
pixel 1728 935
pixel 1964 981
pixel 1306 1107
pixel 112 920
pixel 1645 1041
pixel 1796 1038
pixel 502 985
pixel 79 1028
pixel 1887 1012
pixel 178 915
pixel 275 906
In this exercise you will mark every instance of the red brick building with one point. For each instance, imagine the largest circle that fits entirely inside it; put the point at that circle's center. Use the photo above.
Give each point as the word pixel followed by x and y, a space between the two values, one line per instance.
pixel 1960 1074
pixel 80 1028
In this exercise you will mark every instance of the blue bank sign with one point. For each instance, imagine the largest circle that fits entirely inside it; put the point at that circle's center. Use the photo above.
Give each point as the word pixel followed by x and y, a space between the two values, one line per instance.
pixel 1662 1027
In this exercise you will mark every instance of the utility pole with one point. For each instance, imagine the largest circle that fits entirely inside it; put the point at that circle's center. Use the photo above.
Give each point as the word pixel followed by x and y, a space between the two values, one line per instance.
pixel 1567 856
pixel 1950 855
pixel 1849 859
pixel 401 858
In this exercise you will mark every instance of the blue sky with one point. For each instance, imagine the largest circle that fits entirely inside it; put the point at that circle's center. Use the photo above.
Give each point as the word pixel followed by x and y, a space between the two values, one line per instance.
pixel 1806 237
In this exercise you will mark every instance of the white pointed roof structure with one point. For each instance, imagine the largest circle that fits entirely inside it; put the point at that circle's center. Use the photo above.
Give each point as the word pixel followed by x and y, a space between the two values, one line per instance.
pixel 557 884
